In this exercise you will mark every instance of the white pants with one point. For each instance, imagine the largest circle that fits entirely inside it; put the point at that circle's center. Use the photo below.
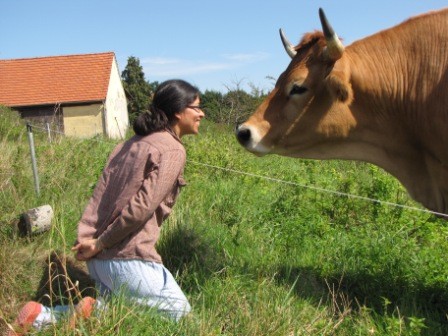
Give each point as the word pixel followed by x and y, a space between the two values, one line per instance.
pixel 144 282
pixel 147 283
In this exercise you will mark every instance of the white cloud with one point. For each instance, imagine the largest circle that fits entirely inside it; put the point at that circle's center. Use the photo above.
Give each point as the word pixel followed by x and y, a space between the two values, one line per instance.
pixel 168 67
pixel 247 58
pixel 180 67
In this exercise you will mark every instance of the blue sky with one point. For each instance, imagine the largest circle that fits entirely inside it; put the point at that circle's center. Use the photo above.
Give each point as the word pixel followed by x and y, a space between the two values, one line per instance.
pixel 215 45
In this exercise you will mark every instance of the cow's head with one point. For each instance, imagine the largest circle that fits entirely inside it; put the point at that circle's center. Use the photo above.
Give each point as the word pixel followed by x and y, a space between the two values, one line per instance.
pixel 309 106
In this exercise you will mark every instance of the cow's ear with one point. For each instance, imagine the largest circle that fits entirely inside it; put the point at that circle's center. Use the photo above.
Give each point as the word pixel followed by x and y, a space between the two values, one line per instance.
pixel 340 87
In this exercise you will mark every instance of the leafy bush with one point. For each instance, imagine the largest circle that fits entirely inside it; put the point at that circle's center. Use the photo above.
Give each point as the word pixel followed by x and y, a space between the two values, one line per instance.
pixel 11 126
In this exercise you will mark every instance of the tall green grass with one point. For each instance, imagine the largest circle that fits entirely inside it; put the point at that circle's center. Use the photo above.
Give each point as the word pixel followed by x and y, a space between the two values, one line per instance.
pixel 254 255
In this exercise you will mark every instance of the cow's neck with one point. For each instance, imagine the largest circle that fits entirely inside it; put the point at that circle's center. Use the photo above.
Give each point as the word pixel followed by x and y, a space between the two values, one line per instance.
pixel 383 136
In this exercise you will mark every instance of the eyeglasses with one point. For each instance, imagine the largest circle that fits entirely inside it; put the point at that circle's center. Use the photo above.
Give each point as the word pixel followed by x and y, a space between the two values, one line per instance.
pixel 196 107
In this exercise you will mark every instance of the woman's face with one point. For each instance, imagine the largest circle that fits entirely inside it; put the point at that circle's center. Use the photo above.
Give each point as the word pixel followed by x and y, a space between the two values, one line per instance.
pixel 189 119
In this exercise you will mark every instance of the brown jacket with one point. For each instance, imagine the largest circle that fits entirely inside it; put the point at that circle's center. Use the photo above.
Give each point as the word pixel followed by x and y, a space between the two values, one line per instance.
pixel 135 193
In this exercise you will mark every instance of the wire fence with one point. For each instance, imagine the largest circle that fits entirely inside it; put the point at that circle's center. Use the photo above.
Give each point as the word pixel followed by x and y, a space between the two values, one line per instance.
pixel 234 171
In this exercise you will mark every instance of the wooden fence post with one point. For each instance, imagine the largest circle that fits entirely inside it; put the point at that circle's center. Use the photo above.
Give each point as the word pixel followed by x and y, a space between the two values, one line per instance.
pixel 47 127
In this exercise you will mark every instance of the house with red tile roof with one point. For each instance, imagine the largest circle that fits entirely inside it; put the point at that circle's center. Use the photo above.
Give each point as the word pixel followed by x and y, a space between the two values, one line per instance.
pixel 79 95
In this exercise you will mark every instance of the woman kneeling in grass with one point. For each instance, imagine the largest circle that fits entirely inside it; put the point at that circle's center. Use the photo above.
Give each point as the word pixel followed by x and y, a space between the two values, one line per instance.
pixel 121 224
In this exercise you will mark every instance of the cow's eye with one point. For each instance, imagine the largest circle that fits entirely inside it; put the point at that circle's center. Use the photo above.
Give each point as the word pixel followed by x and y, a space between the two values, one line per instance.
pixel 298 89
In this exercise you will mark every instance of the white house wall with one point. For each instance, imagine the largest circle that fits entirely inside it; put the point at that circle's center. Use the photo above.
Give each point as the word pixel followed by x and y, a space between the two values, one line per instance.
pixel 116 112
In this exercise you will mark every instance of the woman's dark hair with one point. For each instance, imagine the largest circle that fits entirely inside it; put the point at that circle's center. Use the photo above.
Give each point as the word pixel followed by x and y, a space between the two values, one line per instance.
pixel 171 97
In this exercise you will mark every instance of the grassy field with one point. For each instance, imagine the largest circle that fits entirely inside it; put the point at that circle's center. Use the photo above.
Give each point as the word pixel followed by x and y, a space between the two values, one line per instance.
pixel 255 249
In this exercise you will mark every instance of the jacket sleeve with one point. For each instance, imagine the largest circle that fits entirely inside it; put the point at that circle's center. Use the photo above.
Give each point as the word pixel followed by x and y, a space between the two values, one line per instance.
pixel 89 218
pixel 155 187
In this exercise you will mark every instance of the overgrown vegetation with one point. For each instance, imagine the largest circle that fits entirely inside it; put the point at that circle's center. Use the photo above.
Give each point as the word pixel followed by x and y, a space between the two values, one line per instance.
pixel 255 256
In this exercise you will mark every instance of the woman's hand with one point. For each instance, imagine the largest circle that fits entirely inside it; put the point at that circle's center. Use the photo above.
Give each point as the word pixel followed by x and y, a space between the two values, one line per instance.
pixel 87 249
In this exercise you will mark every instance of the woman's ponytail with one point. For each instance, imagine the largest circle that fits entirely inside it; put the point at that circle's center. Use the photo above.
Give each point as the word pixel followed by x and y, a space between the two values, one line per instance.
pixel 150 121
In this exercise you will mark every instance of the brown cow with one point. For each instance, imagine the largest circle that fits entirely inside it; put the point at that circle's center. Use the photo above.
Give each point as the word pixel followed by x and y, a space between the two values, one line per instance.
pixel 382 99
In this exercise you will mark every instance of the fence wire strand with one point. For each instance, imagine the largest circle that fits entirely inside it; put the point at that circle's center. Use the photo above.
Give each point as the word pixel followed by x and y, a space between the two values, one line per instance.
pixel 319 189
pixel 296 184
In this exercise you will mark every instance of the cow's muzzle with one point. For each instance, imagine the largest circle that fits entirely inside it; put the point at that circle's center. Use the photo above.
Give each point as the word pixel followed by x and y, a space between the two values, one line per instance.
pixel 243 134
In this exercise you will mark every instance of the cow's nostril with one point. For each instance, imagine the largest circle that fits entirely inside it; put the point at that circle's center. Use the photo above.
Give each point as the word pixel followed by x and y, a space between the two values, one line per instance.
pixel 243 135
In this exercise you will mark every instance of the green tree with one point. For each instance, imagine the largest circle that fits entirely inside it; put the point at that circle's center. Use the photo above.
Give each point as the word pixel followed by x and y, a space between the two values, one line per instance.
pixel 232 107
pixel 239 105
pixel 138 90
pixel 213 102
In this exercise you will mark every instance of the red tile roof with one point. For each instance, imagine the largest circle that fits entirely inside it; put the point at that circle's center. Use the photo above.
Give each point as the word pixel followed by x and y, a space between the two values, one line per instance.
pixel 56 79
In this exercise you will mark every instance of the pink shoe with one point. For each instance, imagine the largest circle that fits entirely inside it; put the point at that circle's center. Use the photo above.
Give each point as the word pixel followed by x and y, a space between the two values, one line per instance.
pixel 25 319
pixel 83 310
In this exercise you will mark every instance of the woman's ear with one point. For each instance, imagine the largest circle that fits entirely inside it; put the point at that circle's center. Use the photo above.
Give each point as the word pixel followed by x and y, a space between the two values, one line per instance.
pixel 177 116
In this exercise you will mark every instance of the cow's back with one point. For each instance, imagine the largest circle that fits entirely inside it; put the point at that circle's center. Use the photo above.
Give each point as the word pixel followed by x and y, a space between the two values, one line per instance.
pixel 405 70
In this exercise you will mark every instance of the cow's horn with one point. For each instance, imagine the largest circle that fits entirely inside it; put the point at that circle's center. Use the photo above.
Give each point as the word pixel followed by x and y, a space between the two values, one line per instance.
pixel 334 49
pixel 288 46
